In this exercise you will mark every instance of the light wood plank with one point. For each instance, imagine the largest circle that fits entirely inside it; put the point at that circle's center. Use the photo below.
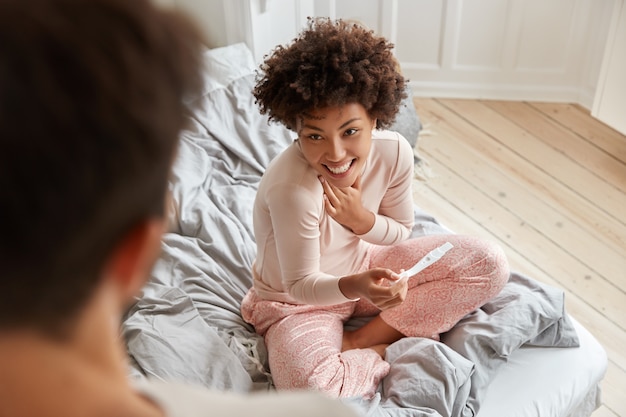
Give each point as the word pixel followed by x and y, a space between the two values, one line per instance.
pixel 603 411
pixel 613 386
pixel 579 121
pixel 605 259
pixel 567 172
pixel 564 141
pixel 582 211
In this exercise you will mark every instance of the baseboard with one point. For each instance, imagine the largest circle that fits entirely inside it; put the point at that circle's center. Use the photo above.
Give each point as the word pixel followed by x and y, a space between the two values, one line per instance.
pixel 503 92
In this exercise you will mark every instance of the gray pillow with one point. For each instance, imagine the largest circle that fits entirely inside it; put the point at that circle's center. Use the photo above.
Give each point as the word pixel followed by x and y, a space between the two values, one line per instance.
pixel 407 121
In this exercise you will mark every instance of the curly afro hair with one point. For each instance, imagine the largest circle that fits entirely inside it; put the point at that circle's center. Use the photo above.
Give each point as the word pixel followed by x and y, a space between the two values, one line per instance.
pixel 330 63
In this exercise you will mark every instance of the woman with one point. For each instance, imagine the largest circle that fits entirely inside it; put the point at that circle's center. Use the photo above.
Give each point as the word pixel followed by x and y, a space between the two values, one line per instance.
pixel 333 216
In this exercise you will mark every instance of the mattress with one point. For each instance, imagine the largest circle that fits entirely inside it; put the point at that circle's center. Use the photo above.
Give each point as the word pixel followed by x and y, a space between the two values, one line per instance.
pixel 539 382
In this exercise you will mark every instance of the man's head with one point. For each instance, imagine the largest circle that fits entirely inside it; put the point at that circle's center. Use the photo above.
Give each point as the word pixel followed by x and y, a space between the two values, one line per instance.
pixel 90 111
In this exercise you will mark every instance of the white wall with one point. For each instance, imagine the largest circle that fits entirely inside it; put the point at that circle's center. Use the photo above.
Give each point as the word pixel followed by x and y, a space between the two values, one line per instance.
pixel 549 50
pixel 507 49
pixel 610 100
pixel 210 15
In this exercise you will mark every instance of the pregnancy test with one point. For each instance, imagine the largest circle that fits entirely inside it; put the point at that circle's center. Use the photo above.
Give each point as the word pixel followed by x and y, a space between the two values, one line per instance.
pixel 430 258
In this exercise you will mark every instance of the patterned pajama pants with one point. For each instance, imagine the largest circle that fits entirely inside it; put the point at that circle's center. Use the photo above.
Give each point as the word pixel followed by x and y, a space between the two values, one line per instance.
pixel 304 341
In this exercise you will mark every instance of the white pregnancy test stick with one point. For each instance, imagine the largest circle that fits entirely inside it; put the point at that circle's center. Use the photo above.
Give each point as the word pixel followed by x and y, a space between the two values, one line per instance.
pixel 430 258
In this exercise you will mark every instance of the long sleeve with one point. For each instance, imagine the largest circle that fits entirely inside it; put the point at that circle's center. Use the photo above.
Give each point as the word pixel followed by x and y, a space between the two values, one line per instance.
pixel 298 246
pixel 296 225
pixel 394 216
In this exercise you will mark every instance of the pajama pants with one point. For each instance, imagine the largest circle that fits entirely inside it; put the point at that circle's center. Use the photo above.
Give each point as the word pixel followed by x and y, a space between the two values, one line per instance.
pixel 304 341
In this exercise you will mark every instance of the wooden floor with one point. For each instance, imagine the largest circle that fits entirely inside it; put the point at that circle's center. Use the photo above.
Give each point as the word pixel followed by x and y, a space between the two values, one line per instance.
pixel 548 182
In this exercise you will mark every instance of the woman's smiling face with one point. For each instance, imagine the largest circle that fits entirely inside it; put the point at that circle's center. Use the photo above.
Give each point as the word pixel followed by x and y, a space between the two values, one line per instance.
pixel 336 141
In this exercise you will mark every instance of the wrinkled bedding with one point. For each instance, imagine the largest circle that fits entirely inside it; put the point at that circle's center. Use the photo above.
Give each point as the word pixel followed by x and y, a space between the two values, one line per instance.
pixel 186 325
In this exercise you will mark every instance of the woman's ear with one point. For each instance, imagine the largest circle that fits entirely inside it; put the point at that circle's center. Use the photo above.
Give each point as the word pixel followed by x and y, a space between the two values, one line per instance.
pixel 129 265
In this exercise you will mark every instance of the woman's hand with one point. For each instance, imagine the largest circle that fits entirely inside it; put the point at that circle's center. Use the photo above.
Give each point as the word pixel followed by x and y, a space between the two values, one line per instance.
pixel 373 285
pixel 345 206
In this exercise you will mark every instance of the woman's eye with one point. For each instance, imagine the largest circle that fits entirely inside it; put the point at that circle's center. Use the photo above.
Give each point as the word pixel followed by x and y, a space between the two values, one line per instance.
pixel 350 132
pixel 315 137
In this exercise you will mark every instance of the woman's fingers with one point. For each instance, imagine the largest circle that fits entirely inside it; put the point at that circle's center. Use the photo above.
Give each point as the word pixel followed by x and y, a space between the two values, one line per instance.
pixel 389 304
pixel 328 191
pixel 385 297
pixel 378 291
pixel 335 195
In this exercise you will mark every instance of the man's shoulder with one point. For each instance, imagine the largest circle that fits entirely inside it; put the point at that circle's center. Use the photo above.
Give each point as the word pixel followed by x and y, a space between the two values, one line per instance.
pixel 178 400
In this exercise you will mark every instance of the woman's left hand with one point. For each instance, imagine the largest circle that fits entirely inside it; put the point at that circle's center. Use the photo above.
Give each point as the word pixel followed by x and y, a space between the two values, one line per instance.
pixel 374 286
pixel 345 206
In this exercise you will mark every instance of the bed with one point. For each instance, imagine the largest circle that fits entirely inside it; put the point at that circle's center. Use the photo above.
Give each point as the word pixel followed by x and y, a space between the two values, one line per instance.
pixel 519 355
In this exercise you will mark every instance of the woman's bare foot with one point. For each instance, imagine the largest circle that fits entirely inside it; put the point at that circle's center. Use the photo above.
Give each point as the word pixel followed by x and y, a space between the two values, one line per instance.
pixel 374 334
pixel 349 342
pixel 380 349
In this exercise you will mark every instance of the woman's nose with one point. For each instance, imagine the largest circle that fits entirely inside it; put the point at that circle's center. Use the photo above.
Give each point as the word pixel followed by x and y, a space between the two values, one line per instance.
pixel 336 150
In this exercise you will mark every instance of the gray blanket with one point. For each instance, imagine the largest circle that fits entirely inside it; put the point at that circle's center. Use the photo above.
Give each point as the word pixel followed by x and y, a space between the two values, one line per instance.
pixel 186 325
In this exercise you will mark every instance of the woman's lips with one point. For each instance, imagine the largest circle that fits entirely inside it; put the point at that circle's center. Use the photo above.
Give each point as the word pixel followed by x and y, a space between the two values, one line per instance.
pixel 339 170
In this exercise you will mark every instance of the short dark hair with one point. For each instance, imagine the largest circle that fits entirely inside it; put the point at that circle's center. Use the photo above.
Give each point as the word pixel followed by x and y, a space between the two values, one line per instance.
pixel 330 63
pixel 91 106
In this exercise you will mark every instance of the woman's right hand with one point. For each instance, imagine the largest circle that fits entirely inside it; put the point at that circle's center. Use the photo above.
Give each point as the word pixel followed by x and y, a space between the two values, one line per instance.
pixel 373 285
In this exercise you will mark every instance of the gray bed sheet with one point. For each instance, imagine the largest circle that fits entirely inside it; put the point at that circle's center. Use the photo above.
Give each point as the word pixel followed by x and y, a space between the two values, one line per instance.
pixel 186 324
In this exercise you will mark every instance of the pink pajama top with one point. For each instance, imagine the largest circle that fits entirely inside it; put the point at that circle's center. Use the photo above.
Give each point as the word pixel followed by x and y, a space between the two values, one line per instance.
pixel 301 250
